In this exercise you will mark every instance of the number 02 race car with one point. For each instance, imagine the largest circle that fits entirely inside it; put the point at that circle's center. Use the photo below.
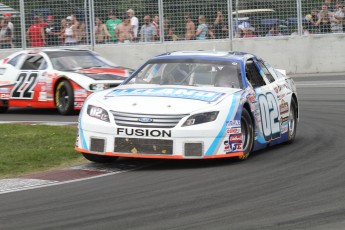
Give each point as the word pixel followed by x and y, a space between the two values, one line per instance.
pixel 55 78
pixel 191 105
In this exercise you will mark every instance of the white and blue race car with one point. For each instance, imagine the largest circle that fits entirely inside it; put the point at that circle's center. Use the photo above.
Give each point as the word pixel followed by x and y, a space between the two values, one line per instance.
pixel 191 105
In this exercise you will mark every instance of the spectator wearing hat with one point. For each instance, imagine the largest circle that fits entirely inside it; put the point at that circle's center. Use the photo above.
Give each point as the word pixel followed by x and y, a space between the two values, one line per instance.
pixel 148 31
pixel 134 22
pixel 70 33
pixel 111 25
pixel 52 32
pixel 35 34
pixel 8 16
pixel 5 35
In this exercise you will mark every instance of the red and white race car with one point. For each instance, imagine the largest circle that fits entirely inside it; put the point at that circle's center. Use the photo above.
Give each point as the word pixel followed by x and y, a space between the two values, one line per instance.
pixel 55 78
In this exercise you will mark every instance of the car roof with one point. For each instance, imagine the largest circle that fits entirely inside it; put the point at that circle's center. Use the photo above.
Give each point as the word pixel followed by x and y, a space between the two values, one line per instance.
pixel 205 55
pixel 37 51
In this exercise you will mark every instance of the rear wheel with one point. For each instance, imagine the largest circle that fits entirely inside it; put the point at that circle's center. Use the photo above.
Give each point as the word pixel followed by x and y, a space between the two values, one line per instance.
pixel 99 158
pixel 64 98
pixel 292 122
pixel 247 130
pixel 4 106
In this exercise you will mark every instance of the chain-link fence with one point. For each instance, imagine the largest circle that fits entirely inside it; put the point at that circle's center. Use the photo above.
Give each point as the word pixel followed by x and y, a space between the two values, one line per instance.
pixel 46 23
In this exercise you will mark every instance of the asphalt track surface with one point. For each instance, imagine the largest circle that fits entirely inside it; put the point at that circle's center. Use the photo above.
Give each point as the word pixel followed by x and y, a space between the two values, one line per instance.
pixel 298 186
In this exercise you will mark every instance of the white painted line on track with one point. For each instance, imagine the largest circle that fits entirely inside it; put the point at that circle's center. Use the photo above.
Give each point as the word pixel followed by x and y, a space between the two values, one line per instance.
pixel 20 184
pixel 55 123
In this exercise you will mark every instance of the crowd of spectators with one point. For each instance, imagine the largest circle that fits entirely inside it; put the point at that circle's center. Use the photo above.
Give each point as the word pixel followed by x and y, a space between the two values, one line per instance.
pixel 69 31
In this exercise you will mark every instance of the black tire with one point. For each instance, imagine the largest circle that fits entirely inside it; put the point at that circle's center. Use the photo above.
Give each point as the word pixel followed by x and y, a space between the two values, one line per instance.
pixel 3 109
pixel 292 122
pixel 99 158
pixel 64 98
pixel 247 130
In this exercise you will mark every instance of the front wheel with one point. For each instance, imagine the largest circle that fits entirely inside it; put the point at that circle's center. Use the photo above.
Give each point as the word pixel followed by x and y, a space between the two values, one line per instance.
pixel 247 130
pixel 99 158
pixel 64 98
pixel 292 122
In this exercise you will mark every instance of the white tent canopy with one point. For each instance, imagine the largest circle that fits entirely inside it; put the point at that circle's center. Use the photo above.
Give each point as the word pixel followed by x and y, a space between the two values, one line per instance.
pixel 6 9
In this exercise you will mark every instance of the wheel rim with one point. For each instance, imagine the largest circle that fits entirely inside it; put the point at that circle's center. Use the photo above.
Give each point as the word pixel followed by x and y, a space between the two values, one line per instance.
pixel 292 122
pixel 245 133
pixel 63 97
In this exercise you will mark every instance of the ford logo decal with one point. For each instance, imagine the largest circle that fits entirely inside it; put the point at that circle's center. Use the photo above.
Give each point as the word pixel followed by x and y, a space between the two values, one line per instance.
pixel 145 120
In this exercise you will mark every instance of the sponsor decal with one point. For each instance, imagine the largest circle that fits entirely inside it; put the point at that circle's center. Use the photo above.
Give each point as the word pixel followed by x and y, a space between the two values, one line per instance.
pixel 143 132
pixel 276 89
pixel 233 131
pixel 235 138
pixel 79 99
pixel 80 93
pixel 42 96
pixel 281 96
pixel 4 96
pixel 5 90
pixel 284 129
pixel 78 104
pixel 169 92
pixel 234 123
pixel 226 146
pixel 284 107
pixel 236 147
pixel 284 119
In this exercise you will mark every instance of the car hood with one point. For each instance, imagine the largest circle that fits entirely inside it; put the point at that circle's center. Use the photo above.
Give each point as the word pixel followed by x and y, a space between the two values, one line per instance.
pixel 116 73
pixel 162 99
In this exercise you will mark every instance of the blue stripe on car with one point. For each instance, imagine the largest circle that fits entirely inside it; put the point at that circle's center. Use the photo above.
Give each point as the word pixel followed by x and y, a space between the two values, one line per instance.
pixel 211 150
pixel 82 136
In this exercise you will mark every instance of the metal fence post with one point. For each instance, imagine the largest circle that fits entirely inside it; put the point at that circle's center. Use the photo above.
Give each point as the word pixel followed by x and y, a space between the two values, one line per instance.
pixel 299 17
pixel 161 21
pixel 230 23
pixel 92 24
pixel 22 24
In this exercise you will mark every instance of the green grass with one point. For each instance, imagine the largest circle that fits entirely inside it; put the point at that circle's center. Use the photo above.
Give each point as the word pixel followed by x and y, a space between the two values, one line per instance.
pixel 31 148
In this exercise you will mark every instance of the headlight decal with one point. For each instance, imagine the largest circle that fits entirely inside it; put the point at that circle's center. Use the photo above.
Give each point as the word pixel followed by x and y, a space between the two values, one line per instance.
pixel 217 140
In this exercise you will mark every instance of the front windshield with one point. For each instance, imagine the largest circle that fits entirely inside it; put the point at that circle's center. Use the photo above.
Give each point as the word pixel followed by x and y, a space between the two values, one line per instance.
pixel 190 72
pixel 73 60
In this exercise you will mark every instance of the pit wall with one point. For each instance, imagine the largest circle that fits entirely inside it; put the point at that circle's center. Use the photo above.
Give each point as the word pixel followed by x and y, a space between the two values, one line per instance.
pixel 297 55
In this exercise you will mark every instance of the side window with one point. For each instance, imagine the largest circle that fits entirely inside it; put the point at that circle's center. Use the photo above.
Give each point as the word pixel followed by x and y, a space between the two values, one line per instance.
pixel 266 72
pixel 32 62
pixel 15 60
pixel 253 74
pixel 272 70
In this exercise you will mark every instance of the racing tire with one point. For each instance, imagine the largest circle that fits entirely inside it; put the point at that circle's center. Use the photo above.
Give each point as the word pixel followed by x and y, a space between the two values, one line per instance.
pixel 99 158
pixel 64 98
pixel 247 131
pixel 292 122
pixel 3 109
